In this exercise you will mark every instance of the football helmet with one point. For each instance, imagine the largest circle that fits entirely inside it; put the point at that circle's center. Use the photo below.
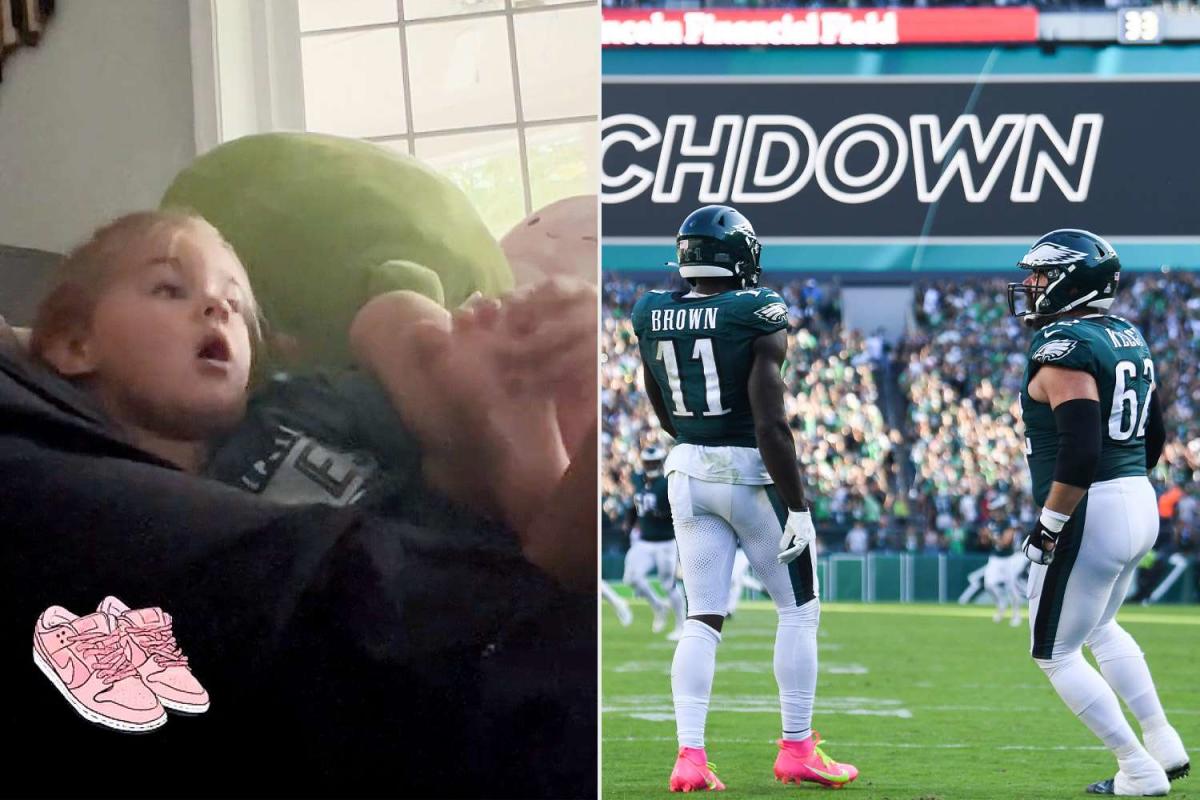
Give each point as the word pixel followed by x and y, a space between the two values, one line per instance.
pixel 1081 269
pixel 652 461
pixel 718 242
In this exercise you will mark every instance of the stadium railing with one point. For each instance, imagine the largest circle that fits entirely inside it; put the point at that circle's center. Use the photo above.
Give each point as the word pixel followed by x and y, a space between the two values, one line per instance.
pixel 921 578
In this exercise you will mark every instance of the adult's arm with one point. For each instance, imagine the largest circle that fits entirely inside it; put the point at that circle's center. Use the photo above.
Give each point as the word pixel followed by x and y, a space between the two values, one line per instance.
pixel 1156 432
pixel 766 389
pixel 657 401
pixel 1073 396
pixel 561 539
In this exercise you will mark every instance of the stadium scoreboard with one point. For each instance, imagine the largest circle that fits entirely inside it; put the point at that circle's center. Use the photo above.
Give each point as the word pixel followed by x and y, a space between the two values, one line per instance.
pixel 1139 26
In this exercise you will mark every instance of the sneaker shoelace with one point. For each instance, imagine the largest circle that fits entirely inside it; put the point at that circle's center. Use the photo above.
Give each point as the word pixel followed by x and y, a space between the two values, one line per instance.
pixel 159 641
pixel 826 761
pixel 108 651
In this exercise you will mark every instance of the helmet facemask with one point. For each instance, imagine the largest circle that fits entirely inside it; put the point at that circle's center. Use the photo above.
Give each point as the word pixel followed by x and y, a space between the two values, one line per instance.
pixel 1035 311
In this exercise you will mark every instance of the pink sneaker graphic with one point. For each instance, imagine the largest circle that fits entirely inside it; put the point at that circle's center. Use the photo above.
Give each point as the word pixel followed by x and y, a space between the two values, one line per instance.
pixel 803 761
pixel 157 657
pixel 693 773
pixel 85 659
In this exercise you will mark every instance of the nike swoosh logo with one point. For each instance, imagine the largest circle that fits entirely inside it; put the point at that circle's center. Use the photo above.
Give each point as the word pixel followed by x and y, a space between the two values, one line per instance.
pixel 65 671
pixel 845 776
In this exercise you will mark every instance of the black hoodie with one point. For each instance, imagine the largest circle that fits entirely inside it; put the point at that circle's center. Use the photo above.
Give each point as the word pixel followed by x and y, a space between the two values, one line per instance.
pixel 344 654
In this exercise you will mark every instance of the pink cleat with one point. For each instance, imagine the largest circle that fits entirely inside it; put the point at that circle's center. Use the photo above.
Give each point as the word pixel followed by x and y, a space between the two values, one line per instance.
pixel 693 773
pixel 803 761
pixel 157 656
pixel 85 659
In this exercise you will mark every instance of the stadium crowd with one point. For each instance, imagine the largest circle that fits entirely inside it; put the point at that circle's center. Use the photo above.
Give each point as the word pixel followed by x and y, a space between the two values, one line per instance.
pixel 923 483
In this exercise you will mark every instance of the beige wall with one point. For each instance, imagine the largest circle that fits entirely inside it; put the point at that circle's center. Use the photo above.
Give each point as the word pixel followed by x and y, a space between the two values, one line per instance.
pixel 94 121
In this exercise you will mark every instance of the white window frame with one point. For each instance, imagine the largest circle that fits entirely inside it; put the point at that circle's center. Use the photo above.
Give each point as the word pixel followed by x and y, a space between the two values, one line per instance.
pixel 247 73
pixel 246 70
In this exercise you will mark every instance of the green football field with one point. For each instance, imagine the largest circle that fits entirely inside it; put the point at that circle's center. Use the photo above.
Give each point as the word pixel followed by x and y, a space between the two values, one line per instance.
pixel 927 701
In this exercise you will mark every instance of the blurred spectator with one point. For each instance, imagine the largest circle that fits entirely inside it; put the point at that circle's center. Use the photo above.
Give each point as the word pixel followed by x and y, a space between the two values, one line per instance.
pixel 1185 521
pixel 1166 514
pixel 856 539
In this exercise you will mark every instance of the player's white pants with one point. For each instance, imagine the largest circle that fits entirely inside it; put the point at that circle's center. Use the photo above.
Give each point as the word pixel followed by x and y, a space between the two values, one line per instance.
pixel 1018 589
pixel 644 557
pixel 710 520
pixel 1074 602
pixel 1000 580
pixel 742 579
pixel 1114 526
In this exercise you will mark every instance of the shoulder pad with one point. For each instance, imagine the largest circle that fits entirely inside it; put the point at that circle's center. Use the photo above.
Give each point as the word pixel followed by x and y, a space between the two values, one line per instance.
pixel 763 308
pixel 1063 344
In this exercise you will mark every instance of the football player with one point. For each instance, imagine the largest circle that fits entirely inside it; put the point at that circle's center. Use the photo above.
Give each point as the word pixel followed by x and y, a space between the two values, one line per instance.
pixel 1094 428
pixel 652 543
pixel 711 360
pixel 999 576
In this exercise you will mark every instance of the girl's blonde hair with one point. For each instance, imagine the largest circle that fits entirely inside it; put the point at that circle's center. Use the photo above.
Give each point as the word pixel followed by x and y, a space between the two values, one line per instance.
pixel 86 272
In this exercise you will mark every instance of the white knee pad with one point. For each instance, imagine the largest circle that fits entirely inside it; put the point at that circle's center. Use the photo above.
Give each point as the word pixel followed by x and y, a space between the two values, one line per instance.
pixel 805 616
pixel 1110 642
pixel 1053 666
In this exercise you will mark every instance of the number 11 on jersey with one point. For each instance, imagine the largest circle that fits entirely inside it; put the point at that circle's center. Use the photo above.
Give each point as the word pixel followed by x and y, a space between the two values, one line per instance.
pixel 702 351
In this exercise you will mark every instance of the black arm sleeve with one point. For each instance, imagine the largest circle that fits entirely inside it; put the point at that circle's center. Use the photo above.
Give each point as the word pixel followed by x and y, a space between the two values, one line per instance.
pixel 1156 432
pixel 1078 423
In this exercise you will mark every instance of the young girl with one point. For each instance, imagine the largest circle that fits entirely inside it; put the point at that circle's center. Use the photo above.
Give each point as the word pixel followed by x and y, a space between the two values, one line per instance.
pixel 155 317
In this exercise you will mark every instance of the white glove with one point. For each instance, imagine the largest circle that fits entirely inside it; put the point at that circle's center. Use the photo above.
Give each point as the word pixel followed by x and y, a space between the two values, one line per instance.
pixel 798 534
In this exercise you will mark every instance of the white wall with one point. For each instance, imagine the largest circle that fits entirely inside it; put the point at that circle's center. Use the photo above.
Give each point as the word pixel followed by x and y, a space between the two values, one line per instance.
pixel 867 308
pixel 95 120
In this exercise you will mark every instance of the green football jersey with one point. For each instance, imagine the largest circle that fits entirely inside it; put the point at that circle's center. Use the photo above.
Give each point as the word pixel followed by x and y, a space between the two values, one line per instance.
pixel 699 351
pixel 1113 351
pixel 653 508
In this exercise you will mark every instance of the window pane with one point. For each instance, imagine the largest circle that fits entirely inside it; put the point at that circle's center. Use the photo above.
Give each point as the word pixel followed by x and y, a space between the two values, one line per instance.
pixel 399 145
pixel 487 166
pixel 462 74
pixel 559 62
pixel 319 15
pixel 422 9
pixel 353 83
pixel 562 161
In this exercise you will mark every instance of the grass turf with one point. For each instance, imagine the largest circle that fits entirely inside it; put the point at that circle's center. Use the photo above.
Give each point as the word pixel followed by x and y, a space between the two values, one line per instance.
pixel 929 702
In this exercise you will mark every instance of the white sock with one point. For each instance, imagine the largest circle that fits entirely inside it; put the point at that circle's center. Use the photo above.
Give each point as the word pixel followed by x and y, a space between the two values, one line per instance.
pixel 796 667
pixel 642 587
pixel 1090 698
pixel 1124 667
pixel 675 596
pixel 691 680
